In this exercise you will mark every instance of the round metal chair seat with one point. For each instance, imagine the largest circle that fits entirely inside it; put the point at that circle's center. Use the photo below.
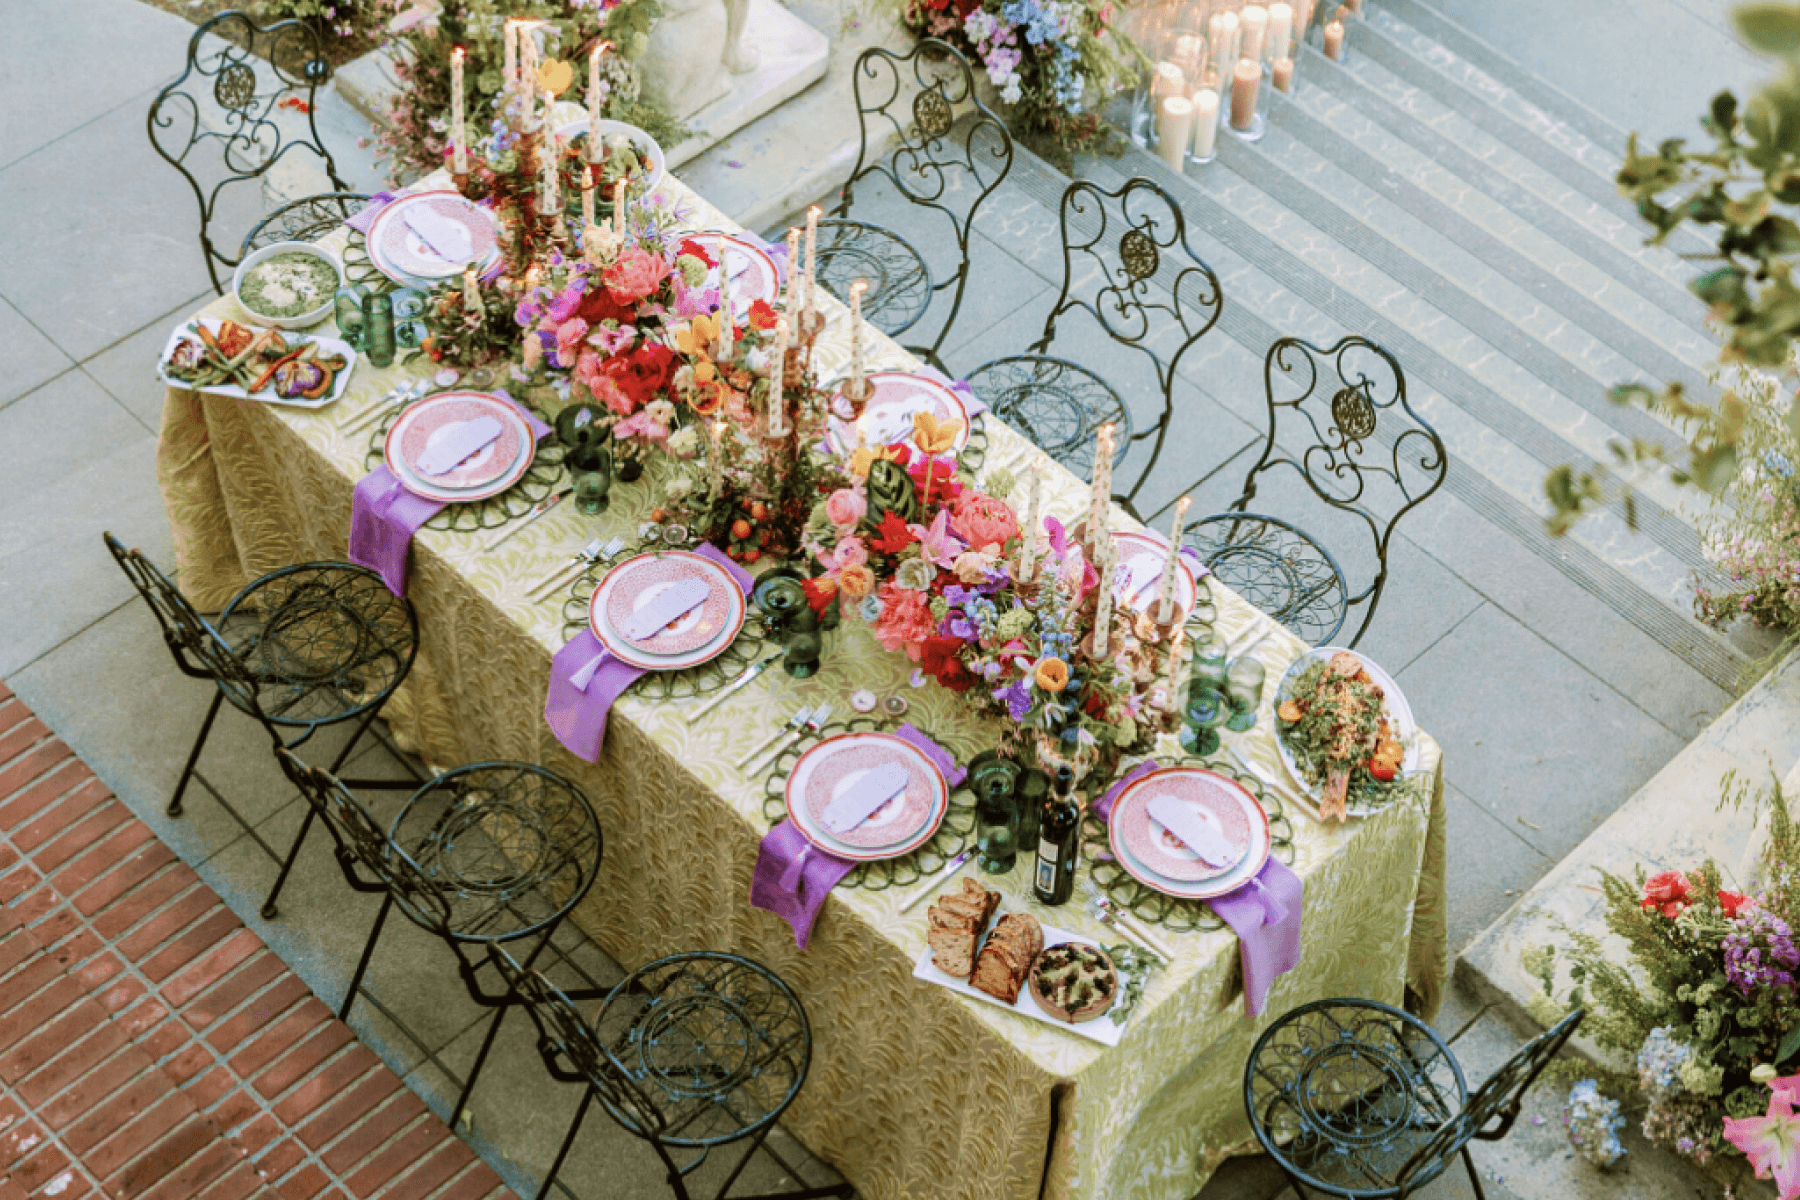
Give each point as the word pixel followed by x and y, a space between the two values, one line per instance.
pixel 1342 1093
pixel 1279 568
pixel 509 849
pixel 899 281
pixel 719 1044
pixel 324 641
pixel 304 220
pixel 1057 404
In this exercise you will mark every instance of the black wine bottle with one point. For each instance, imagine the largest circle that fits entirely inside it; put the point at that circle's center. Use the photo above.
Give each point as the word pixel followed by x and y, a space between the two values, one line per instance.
pixel 1059 836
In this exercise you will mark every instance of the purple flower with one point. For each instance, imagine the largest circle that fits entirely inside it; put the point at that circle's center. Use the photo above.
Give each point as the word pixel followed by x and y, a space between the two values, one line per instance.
pixel 564 306
pixel 1017 698
pixel 1759 932
pixel 693 302
pixel 526 313
pixel 959 626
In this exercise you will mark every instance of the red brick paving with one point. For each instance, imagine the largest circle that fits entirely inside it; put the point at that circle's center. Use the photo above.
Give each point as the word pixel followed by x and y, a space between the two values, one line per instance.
pixel 151 1047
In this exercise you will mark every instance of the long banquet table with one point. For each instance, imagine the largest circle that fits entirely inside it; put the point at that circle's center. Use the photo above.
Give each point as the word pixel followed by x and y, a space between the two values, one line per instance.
pixel 913 1091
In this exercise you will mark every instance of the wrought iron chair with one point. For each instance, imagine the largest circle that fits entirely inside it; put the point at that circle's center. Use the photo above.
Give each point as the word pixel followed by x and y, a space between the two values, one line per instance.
pixel 304 220
pixel 323 643
pixel 482 855
pixel 1128 265
pixel 1361 450
pixel 214 104
pixel 689 1053
pixel 954 147
pixel 1356 1099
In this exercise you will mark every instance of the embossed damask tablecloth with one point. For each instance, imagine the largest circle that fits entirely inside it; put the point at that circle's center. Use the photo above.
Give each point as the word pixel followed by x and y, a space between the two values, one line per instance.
pixel 914 1091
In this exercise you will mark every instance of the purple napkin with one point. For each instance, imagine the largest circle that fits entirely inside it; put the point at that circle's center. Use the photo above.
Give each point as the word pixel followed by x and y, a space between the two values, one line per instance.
pixel 384 516
pixel 795 890
pixel 578 718
pixel 366 216
pixel 1264 913
pixel 970 400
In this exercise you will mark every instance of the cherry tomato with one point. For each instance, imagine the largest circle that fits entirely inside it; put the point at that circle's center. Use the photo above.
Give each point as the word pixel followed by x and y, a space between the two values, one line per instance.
pixel 759 510
pixel 1382 770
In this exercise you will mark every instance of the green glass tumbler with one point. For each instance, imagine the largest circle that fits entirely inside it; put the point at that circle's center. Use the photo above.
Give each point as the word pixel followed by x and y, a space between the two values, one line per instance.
pixel 1243 690
pixel 996 825
pixel 378 330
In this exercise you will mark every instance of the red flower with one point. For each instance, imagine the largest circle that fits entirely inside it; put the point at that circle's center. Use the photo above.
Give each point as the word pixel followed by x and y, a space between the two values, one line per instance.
pixel 892 536
pixel 820 593
pixel 1731 901
pixel 762 317
pixel 944 487
pixel 1667 891
pixel 941 657
pixel 642 374
pixel 597 305
pixel 693 247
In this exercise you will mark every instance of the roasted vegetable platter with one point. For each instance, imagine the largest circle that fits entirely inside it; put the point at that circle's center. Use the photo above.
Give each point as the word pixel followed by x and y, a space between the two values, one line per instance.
pixel 224 358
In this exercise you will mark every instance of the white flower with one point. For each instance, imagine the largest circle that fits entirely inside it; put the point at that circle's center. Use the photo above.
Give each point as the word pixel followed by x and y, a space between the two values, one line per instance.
pixel 660 411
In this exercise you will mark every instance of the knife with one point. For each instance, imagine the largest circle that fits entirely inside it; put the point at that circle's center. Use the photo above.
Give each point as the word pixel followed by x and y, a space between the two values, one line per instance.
pixel 814 723
pixel 537 510
pixel 792 723
pixel 1297 796
pixel 925 889
pixel 743 678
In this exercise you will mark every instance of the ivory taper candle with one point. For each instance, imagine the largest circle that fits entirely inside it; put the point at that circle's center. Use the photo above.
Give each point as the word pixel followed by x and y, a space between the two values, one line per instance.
pixel 593 102
pixel 1165 602
pixel 1254 21
pixel 459 133
pixel 1028 546
pixel 1174 118
pixel 777 423
pixel 812 260
pixel 793 269
pixel 727 318
pixel 588 184
pixel 1281 32
pixel 1206 122
pixel 1106 553
pixel 1100 491
pixel 1245 79
pixel 1334 41
pixel 856 361
pixel 510 36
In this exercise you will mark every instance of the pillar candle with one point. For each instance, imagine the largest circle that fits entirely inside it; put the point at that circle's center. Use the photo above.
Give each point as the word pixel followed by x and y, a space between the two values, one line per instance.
pixel 1246 77
pixel 1254 21
pixel 459 133
pixel 1284 75
pixel 1174 119
pixel 1188 49
pixel 1107 562
pixel 1281 31
pixel 593 102
pixel 1334 41
pixel 1028 546
pixel 1206 122
pixel 726 317
pixel 1165 603
pixel 812 264
pixel 856 364
pixel 472 292
pixel 1224 44
pixel 1166 80
pixel 777 423
pixel 793 269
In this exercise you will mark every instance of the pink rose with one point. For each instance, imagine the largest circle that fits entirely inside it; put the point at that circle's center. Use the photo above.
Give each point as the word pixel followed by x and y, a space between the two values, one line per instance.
pixel 982 520
pixel 845 507
pixel 850 553
pixel 590 372
pixel 635 275
pixel 568 340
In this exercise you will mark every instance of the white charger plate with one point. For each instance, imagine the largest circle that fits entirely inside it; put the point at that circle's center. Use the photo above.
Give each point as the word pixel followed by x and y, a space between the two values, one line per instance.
pixel 1399 712
pixel 1261 843
pixel 615 643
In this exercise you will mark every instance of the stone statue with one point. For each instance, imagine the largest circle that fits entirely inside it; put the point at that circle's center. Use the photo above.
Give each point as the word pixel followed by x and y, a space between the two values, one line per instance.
pixel 693 48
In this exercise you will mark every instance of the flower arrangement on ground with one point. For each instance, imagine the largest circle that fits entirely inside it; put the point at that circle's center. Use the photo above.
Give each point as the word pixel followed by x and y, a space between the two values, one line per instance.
pixel 1055 62
pixel 1705 1009
pixel 930 558
pixel 417 137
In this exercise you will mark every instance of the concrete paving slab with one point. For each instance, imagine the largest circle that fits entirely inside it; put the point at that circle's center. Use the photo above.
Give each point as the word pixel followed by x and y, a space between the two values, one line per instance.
pixel 1423 601
pixel 70 403
pixel 1519 722
pixel 117 49
pixel 1494 866
pixel 33 359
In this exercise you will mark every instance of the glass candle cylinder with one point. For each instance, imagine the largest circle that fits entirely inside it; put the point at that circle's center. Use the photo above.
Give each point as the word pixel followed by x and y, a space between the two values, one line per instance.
pixel 1206 125
pixel 378 330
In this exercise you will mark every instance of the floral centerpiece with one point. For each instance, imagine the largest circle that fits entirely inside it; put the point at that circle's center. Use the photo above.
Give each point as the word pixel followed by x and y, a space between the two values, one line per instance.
pixel 1054 62
pixel 930 558
pixel 1705 1009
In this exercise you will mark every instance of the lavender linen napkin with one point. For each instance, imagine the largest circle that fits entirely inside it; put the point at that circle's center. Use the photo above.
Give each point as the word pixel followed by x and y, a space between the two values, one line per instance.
pixel 384 516
pixel 796 896
pixel 365 217
pixel 1265 913
pixel 577 717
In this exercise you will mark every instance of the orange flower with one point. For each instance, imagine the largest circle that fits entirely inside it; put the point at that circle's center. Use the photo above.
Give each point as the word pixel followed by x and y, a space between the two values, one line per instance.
pixel 932 436
pixel 1052 674
pixel 856 582
pixel 762 317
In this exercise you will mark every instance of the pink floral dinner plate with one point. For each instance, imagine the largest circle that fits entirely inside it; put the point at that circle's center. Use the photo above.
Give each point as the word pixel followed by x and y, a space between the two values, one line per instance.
pixel 1142 557
pixel 755 275
pixel 429 487
pixel 401 248
pixel 1149 854
pixel 888 417
pixel 700 636
pixel 899 827
pixel 432 420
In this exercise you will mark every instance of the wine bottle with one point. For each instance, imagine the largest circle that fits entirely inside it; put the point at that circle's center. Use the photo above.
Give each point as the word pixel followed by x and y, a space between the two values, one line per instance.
pixel 1059 836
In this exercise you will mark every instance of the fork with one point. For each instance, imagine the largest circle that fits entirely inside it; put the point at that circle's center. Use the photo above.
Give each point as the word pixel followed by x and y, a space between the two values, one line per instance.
pixel 794 722
pixel 401 395
pixel 587 556
pixel 1102 909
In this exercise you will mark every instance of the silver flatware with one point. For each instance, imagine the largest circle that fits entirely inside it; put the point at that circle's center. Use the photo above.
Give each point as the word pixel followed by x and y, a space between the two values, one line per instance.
pixel 587 556
pixel 793 723
pixel 814 723
pixel 537 510
pixel 399 396
pixel 930 885
pixel 1102 909
pixel 742 680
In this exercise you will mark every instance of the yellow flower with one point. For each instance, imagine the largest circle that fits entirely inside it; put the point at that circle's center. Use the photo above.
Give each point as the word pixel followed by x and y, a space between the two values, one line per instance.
pixel 856 582
pixel 933 437
pixel 864 457
pixel 555 76
pixel 1052 674
pixel 696 339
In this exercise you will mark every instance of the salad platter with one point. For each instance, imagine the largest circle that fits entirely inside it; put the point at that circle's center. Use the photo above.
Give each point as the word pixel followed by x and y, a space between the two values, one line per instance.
pixel 1345 732
pixel 223 358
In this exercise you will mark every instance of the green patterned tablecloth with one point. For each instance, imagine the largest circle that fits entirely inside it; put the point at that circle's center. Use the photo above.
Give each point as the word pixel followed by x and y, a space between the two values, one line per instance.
pixel 914 1091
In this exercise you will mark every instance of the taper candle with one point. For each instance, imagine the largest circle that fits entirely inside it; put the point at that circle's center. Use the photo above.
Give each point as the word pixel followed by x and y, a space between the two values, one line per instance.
pixel 1100 489
pixel 793 270
pixel 1284 75
pixel 459 133
pixel 856 363
pixel 1177 665
pixel 588 185
pixel 1165 602
pixel 1246 78
pixel 1107 562
pixel 777 423
pixel 715 461
pixel 1281 32
pixel 1253 19
pixel 726 317
pixel 1174 119
pixel 510 36
pixel 1206 122
pixel 1028 545
pixel 552 192
pixel 1334 41
pixel 593 102
pixel 812 261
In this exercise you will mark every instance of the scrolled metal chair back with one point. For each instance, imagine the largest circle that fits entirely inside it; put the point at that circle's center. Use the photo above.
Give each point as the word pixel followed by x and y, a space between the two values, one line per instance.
pixel 361 843
pixel 1491 1111
pixel 1340 420
pixel 573 1052
pixel 197 648
pixel 1127 263
pixel 219 104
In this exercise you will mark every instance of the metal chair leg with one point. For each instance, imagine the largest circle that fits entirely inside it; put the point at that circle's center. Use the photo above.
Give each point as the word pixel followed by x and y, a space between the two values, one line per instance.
pixel 587 1098
pixel 362 727
pixel 462 1102
pixel 1474 1179
pixel 269 911
pixel 362 965
pixel 187 772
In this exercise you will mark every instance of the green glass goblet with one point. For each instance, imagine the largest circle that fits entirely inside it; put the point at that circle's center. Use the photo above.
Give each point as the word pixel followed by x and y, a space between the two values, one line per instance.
pixel 1243 690
pixel 1206 709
